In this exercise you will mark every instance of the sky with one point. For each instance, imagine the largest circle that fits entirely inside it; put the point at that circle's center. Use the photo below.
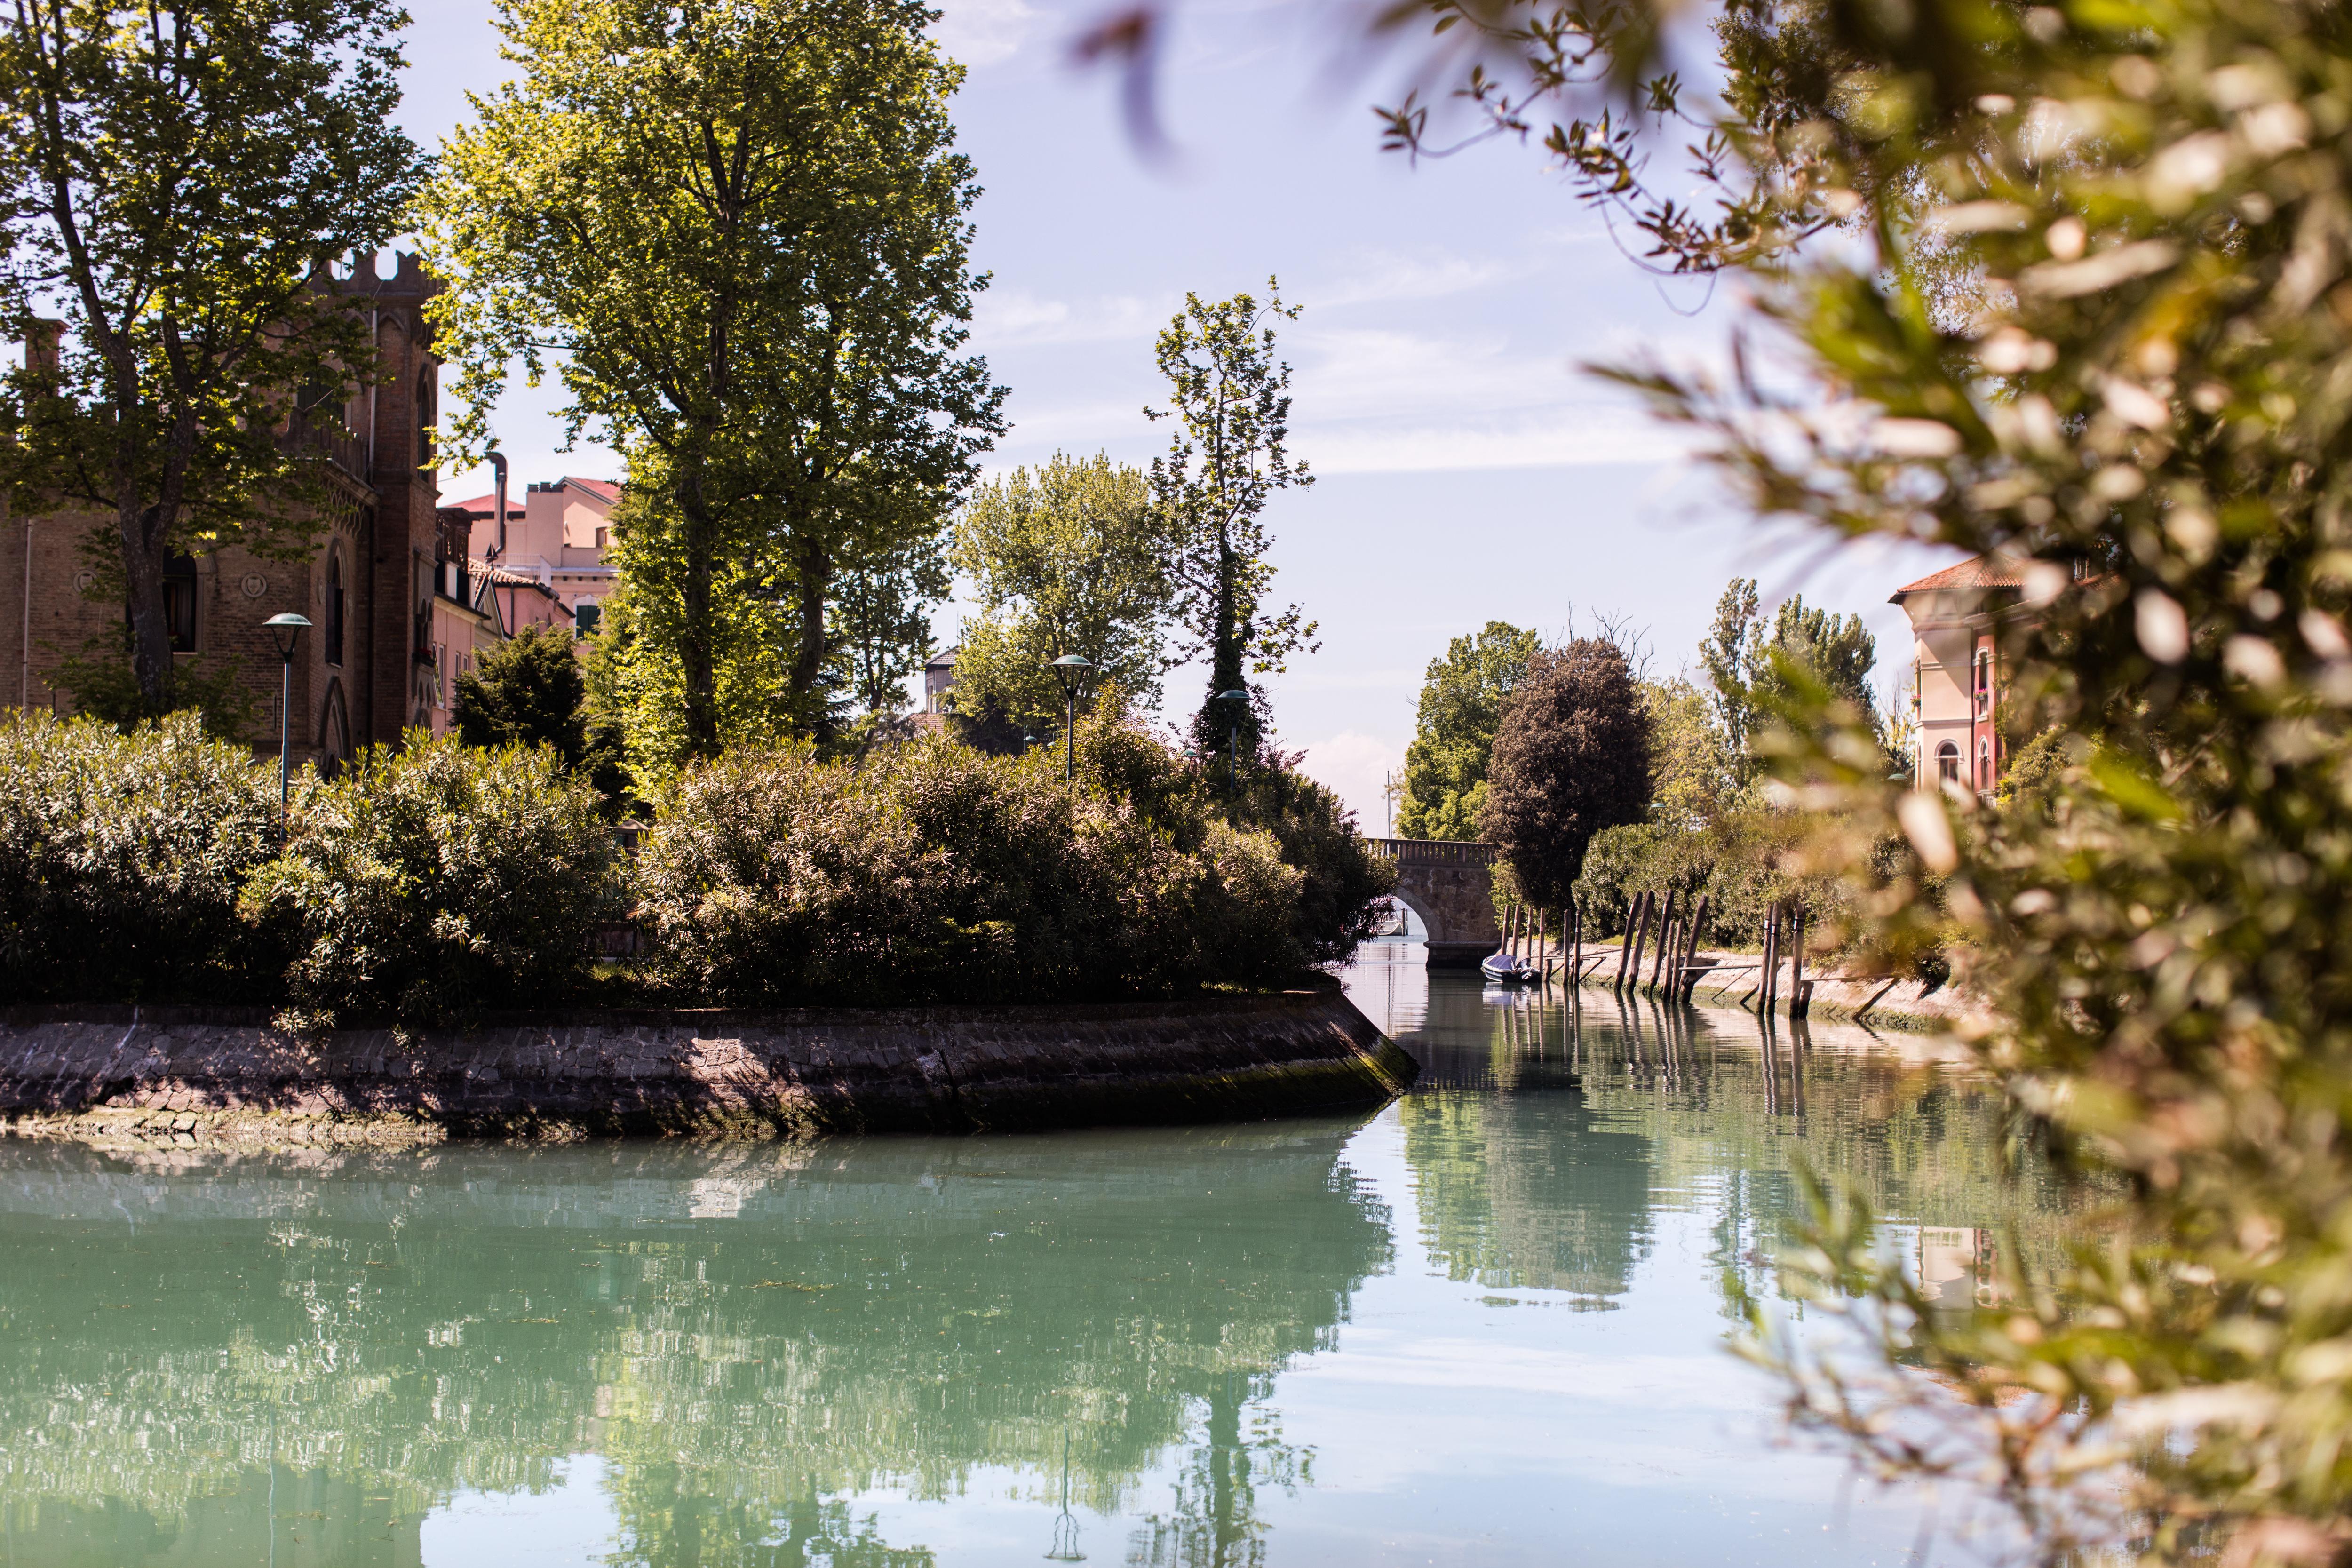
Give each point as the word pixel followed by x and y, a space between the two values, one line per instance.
pixel 1466 468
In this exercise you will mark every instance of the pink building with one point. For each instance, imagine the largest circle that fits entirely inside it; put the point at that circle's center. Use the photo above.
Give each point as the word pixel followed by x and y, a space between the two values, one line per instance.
pixel 556 538
pixel 1956 691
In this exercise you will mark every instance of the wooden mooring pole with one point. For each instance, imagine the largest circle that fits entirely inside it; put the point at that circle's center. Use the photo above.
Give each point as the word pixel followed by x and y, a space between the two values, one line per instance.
pixel 1690 948
pixel 1665 940
pixel 1627 954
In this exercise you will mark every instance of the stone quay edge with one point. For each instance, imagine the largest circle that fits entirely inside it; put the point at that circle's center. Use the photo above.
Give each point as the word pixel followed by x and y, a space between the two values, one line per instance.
pixel 163 1076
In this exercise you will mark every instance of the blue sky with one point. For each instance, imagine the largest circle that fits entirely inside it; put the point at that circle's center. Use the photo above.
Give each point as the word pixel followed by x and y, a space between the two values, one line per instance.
pixel 1466 470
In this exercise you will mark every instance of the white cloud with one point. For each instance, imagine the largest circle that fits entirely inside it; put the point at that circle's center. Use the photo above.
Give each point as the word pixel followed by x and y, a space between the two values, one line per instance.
pixel 984 32
pixel 1567 436
pixel 1004 317
pixel 1378 277
pixel 1352 764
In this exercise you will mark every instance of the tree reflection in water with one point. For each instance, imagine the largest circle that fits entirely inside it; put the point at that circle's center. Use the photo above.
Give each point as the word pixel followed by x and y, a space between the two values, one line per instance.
pixel 745 1336
pixel 1544 1140
pixel 293 1359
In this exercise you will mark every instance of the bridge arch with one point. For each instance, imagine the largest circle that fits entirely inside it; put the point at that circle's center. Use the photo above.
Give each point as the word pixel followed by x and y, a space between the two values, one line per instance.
pixel 1449 887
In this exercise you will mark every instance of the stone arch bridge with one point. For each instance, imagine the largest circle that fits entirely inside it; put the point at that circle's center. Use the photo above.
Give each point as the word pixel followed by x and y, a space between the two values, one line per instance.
pixel 1449 886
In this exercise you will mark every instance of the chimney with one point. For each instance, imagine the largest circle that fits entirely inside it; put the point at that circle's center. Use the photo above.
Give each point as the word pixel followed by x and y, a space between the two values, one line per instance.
pixel 41 350
pixel 499 466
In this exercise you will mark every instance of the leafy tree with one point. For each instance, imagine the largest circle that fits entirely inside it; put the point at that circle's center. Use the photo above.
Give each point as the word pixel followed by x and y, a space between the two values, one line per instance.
pixel 533 692
pixel 1230 400
pixel 1573 754
pixel 1696 778
pixel 882 619
pixel 1071 559
pixel 1461 701
pixel 741 232
pixel 179 181
pixel 1744 660
pixel 633 672
pixel 529 693
pixel 2094 316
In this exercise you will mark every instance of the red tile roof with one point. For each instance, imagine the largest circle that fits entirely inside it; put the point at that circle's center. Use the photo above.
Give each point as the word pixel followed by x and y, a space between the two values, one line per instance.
pixel 484 506
pixel 603 490
pixel 1982 571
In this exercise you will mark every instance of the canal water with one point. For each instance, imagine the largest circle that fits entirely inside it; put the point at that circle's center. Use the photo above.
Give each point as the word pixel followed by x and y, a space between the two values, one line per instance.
pixel 1486 1325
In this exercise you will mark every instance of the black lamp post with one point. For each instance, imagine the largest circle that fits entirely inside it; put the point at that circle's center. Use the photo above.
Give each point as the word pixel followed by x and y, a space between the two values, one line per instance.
pixel 287 632
pixel 1072 672
pixel 1234 744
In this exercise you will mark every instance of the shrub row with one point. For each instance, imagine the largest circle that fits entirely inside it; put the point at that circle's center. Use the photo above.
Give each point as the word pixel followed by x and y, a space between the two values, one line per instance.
pixel 435 881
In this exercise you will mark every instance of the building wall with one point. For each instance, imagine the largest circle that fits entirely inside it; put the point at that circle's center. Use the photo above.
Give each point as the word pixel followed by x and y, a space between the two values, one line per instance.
pixel 561 540
pixel 379 535
pixel 1951 629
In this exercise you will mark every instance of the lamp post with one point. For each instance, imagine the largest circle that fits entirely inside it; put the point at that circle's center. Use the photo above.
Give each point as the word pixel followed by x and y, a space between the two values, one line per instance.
pixel 286 631
pixel 1071 671
pixel 1234 744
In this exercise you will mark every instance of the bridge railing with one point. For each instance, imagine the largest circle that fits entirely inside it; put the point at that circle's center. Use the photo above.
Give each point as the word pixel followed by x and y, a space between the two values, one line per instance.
pixel 1432 851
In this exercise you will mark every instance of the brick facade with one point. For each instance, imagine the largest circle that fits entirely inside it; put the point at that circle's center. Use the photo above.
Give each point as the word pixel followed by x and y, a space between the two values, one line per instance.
pixel 377 555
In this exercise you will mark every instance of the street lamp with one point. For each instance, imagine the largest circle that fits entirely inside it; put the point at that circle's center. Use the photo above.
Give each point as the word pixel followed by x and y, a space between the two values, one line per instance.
pixel 287 632
pixel 1072 672
pixel 1233 745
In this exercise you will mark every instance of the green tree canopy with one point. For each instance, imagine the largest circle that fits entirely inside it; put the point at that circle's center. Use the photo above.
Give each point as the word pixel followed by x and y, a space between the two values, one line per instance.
pixel 1462 702
pixel 1572 756
pixel 181 181
pixel 740 232
pixel 1697 776
pixel 1745 658
pixel 1071 559
pixel 532 692
pixel 1230 397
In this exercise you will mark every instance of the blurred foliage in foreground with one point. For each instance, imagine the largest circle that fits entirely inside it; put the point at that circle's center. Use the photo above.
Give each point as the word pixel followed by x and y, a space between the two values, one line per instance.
pixel 2067 284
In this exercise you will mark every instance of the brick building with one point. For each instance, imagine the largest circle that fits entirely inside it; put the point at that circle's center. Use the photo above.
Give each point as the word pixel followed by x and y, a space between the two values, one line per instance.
pixel 392 623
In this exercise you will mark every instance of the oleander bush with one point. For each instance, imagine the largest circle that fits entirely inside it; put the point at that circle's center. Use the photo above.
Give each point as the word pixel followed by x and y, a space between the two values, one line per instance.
pixel 433 880
pixel 121 858
pixel 935 873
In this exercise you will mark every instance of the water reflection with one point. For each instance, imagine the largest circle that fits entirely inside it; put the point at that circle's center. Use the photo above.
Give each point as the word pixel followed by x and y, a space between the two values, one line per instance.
pixel 1551 1127
pixel 1193 1347
pixel 742 1334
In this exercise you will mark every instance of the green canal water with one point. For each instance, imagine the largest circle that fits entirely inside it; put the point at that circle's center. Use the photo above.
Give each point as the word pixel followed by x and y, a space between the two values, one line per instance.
pixel 1486 1325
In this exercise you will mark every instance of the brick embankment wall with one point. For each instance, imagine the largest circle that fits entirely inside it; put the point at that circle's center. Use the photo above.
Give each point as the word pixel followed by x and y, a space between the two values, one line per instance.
pixel 188 1076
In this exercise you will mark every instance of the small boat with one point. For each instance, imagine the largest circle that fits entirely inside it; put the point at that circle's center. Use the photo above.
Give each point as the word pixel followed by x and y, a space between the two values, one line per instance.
pixel 1508 969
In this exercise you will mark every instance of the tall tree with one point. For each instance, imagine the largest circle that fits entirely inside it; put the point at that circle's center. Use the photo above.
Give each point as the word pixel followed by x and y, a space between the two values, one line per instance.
pixel 1462 703
pixel 180 180
pixel 1071 559
pixel 1574 754
pixel 1230 397
pixel 740 232
pixel 882 617
pixel 1745 655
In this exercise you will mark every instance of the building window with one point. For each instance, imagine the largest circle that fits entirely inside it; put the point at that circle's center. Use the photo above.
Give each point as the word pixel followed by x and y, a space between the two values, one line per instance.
pixel 180 602
pixel 1947 762
pixel 1984 682
pixel 586 617
pixel 1984 765
pixel 424 417
pixel 331 635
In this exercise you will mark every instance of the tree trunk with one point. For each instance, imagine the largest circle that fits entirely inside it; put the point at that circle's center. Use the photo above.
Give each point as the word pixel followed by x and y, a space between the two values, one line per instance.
pixel 150 630
pixel 696 649
pixel 816 590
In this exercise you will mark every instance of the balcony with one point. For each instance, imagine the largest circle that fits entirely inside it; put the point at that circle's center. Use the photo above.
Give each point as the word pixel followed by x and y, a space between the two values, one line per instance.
pixel 320 432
